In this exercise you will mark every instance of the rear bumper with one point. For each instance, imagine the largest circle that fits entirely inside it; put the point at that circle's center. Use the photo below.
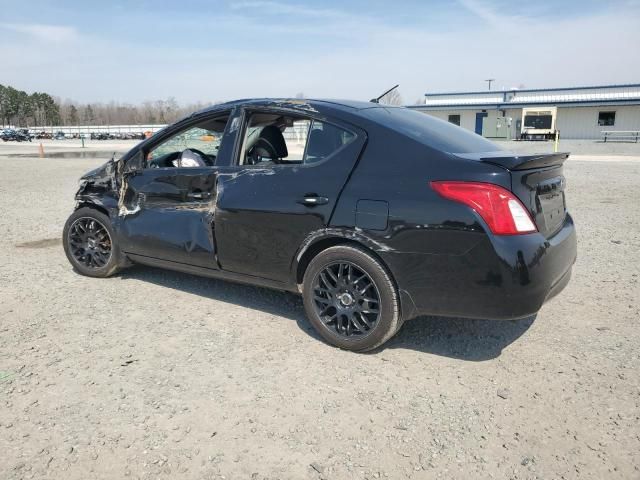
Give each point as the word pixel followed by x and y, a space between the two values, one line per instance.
pixel 507 277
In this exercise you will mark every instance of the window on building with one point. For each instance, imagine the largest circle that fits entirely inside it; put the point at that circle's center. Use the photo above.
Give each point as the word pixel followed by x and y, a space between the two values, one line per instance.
pixel 455 119
pixel 606 119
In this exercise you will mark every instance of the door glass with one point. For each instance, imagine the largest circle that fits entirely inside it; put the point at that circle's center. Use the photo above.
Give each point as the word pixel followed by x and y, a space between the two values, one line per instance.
pixel 197 146
pixel 275 139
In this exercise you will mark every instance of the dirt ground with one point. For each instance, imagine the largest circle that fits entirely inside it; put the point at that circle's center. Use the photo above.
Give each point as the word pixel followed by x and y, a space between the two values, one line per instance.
pixel 155 374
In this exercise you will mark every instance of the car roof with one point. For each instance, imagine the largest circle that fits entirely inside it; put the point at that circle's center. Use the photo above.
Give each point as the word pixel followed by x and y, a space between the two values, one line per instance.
pixel 430 131
pixel 298 103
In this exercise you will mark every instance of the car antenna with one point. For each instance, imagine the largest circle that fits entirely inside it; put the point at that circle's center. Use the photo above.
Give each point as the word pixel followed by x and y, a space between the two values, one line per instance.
pixel 377 100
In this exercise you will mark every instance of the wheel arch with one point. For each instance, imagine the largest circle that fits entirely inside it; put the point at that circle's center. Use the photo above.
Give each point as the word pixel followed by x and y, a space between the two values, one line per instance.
pixel 320 241
pixel 111 214
pixel 103 203
pixel 94 206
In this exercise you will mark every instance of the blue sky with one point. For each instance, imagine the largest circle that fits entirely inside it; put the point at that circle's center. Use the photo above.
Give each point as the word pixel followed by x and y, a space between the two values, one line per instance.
pixel 196 50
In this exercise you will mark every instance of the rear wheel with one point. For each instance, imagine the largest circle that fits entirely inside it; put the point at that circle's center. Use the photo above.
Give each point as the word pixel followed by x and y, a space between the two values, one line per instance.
pixel 350 298
pixel 88 241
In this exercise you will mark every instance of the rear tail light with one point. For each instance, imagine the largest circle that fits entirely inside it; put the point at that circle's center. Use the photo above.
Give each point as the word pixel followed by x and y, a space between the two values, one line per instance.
pixel 498 207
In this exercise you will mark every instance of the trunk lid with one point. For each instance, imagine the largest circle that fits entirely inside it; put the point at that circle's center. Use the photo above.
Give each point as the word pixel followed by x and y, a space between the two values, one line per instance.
pixel 539 183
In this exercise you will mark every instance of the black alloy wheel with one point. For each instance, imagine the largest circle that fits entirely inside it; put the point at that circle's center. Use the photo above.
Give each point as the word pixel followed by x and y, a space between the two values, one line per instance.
pixel 350 298
pixel 90 242
pixel 346 299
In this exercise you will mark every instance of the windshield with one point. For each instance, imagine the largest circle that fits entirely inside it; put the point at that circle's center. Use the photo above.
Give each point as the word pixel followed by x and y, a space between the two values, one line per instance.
pixel 203 140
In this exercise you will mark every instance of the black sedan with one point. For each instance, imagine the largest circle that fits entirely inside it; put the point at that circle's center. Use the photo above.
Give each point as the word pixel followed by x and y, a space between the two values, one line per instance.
pixel 376 214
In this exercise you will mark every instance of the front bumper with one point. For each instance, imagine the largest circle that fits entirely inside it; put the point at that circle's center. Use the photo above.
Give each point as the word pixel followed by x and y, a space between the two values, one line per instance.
pixel 501 277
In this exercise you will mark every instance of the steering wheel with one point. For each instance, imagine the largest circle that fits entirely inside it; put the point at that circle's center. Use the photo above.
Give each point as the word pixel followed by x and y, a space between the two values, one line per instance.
pixel 204 156
pixel 262 149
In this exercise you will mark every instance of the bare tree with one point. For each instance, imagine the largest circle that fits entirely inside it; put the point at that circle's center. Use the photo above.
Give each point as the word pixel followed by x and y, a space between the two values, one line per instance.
pixel 39 109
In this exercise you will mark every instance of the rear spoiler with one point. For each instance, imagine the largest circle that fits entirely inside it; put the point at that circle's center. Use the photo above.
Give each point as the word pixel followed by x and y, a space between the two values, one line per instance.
pixel 526 162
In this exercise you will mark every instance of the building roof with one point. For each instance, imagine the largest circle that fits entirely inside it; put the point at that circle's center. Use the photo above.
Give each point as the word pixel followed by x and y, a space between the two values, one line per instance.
pixel 575 96
pixel 558 89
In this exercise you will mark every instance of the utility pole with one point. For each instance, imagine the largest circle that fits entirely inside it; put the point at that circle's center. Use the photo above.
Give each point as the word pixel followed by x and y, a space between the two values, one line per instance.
pixel 489 80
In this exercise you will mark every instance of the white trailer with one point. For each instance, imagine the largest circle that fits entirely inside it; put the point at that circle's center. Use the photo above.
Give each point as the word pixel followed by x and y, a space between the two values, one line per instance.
pixel 539 123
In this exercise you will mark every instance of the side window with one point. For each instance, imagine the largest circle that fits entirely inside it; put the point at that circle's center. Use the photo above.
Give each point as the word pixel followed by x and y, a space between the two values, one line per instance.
pixel 274 139
pixel 195 146
pixel 324 139
pixel 606 119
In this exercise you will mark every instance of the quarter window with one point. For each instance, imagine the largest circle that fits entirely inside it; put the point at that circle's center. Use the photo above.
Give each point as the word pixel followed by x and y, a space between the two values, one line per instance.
pixel 324 139
pixel 606 119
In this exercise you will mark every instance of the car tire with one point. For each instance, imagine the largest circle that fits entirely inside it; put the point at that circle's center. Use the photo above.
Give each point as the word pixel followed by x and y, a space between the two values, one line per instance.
pixel 335 306
pixel 88 230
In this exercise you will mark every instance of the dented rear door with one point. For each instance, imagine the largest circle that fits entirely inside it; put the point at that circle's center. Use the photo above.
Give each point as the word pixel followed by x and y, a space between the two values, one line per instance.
pixel 263 214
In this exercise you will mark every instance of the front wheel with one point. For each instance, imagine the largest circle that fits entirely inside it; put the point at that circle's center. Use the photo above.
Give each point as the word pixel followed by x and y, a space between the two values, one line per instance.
pixel 89 243
pixel 350 298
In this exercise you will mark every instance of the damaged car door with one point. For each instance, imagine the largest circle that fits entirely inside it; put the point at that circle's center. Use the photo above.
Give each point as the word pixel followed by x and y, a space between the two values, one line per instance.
pixel 168 205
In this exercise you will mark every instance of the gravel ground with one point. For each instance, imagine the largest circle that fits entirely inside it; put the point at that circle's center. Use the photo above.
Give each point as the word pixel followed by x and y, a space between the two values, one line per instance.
pixel 155 374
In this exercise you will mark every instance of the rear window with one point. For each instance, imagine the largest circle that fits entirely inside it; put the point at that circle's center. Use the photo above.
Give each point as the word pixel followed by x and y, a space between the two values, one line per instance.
pixel 430 131
pixel 538 121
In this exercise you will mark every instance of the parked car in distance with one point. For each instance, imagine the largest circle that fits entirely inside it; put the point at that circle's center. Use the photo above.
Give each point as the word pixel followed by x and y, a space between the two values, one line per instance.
pixel 375 214
pixel 12 135
pixel 43 135
pixel 24 133
pixel 102 136
pixel 8 134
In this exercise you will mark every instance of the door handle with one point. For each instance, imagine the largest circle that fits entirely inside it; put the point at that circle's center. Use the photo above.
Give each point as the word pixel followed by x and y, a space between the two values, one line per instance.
pixel 199 195
pixel 313 200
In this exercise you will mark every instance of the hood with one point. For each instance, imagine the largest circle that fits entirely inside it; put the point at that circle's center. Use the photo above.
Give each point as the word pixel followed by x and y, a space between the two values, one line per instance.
pixel 104 177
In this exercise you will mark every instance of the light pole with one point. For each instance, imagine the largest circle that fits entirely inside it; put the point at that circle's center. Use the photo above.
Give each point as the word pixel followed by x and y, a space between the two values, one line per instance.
pixel 489 80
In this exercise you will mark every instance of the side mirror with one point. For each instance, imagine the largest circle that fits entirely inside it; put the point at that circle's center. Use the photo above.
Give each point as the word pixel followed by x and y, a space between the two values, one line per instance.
pixel 135 163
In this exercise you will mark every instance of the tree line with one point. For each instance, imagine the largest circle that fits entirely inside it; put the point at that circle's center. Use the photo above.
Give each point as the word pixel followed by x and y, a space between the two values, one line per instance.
pixel 21 109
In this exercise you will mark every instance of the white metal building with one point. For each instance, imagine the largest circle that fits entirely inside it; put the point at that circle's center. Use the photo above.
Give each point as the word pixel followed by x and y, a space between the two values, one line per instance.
pixel 579 112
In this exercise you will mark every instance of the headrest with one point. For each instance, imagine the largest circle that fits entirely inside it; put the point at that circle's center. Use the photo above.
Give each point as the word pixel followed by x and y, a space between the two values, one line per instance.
pixel 272 135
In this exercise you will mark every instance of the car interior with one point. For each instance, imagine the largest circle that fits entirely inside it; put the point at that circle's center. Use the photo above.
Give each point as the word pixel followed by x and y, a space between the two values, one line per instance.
pixel 270 139
pixel 196 146
pixel 289 140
